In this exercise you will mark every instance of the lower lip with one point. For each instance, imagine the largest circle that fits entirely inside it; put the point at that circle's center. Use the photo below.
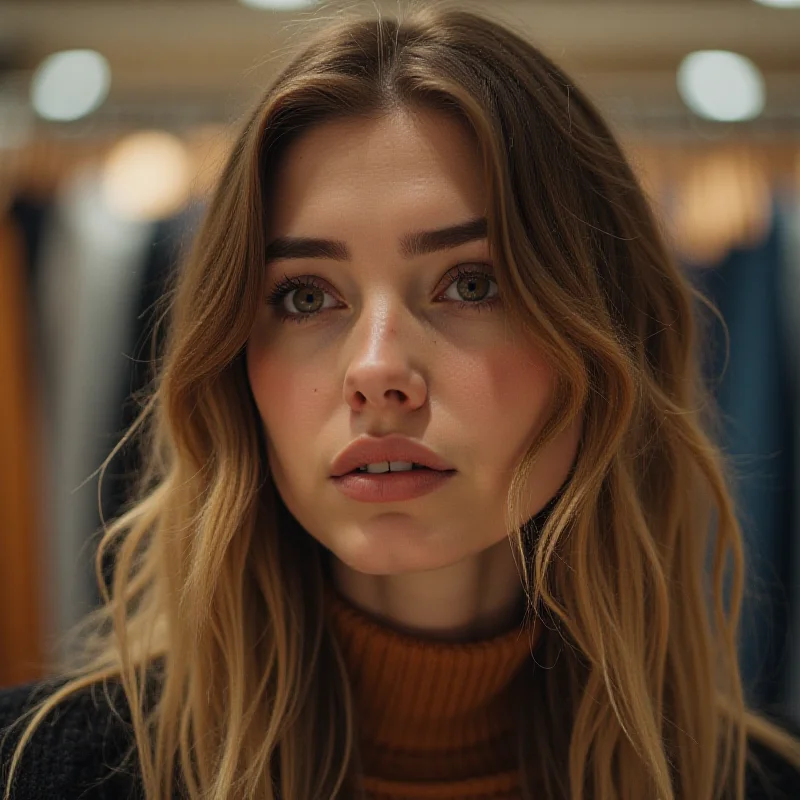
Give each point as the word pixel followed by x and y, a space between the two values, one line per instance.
pixel 390 487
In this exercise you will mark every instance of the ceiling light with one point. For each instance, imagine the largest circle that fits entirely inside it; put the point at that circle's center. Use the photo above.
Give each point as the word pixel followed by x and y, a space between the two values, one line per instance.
pixel 720 85
pixel 70 84
pixel 722 202
pixel 146 176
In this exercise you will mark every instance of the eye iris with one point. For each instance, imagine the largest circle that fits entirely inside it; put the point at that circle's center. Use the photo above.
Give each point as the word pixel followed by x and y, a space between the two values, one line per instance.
pixel 470 281
pixel 307 295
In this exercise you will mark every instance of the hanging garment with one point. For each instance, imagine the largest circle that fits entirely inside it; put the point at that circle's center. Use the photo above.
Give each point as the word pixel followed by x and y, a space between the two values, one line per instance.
pixel 170 239
pixel 755 396
pixel 91 270
pixel 31 212
pixel 789 211
pixel 21 578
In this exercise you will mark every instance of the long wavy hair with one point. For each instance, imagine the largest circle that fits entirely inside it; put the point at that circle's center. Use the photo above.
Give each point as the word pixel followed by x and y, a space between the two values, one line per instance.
pixel 217 593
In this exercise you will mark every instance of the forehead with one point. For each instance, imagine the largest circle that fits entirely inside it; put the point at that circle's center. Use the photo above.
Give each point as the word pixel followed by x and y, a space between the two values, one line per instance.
pixel 401 165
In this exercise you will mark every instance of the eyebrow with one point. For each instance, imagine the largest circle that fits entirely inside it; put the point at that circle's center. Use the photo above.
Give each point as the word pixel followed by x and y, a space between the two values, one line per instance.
pixel 411 245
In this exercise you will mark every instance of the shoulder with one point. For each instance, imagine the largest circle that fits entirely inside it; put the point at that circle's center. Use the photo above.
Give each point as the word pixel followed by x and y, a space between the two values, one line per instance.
pixel 769 776
pixel 82 748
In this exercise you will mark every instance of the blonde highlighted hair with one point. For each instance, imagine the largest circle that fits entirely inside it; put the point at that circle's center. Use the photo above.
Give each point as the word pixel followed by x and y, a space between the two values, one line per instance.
pixel 211 596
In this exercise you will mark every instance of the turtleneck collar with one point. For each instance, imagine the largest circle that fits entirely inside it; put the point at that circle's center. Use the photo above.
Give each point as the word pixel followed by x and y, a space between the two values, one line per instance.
pixel 430 711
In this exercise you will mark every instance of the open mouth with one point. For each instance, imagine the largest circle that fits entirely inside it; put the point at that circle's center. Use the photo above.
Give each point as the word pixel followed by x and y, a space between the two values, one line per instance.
pixel 414 468
pixel 392 486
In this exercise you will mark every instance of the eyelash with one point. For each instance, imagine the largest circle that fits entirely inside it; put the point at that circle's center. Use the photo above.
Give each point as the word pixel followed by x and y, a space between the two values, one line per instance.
pixel 287 284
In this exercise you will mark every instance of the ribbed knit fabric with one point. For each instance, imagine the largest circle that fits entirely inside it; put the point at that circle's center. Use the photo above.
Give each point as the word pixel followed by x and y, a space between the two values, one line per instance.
pixel 436 719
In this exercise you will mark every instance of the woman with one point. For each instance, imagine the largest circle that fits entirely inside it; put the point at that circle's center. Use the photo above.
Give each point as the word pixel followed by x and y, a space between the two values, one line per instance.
pixel 430 480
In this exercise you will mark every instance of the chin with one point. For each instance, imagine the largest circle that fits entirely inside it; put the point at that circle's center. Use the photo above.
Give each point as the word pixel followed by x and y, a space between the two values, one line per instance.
pixel 393 558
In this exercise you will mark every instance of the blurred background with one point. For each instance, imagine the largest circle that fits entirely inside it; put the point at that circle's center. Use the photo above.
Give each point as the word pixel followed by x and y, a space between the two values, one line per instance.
pixel 115 119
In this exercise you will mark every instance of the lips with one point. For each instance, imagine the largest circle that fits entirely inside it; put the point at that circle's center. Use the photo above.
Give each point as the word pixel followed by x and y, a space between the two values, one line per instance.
pixel 374 450
pixel 392 487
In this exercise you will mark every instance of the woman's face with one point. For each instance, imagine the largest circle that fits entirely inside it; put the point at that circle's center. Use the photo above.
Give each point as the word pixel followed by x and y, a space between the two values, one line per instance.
pixel 398 344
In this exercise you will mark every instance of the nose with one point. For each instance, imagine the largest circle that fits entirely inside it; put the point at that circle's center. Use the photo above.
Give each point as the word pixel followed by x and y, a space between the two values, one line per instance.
pixel 382 373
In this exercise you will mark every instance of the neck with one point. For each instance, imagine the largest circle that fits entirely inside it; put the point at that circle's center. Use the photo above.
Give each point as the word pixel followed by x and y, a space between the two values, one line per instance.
pixel 475 598
pixel 436 719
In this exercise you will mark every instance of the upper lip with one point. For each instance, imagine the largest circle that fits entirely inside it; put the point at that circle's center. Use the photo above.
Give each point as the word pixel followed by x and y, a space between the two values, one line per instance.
pixel 372 450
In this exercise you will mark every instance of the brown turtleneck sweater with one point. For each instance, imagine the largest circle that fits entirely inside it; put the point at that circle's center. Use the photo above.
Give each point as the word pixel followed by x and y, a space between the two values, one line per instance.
pixel 436 719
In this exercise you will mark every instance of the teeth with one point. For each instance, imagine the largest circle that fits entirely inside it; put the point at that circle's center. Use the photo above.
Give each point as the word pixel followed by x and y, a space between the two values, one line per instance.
pixel 389 466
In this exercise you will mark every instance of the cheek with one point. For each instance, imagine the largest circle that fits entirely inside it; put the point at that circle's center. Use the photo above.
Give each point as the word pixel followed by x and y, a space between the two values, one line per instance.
pixel 517 394
pixel 291 404
pixel 272 382
pixel 511 400
pixel 509 391
pixel 282 392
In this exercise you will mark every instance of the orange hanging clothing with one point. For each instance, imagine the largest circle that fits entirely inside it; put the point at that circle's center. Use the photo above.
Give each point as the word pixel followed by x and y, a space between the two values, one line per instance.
pixel 21 585
pixel 436 719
